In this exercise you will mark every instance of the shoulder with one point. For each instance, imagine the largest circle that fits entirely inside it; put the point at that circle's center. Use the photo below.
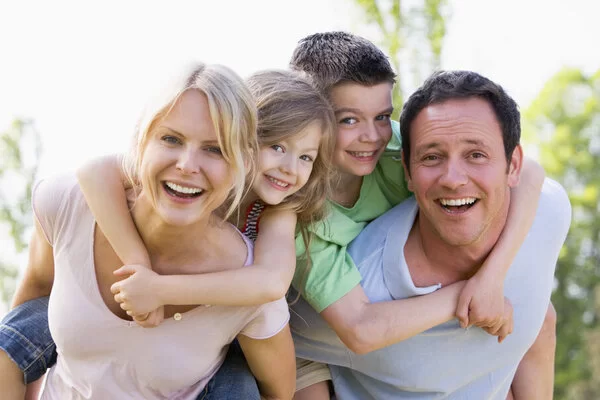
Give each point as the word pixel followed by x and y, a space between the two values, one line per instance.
pixel 277 215
pixel 53 200
pixel 554 209
pixel 400 215
pixel 373 238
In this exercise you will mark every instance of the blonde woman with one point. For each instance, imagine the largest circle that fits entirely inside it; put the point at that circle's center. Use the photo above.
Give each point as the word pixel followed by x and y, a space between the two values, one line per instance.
pixel 197 136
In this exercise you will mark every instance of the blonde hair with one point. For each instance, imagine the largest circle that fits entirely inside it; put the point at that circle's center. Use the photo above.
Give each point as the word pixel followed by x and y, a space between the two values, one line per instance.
pixel 232 111
pixel 287 103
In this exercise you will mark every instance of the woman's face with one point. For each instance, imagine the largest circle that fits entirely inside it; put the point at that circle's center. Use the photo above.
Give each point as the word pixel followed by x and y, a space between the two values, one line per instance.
pixel 284 167
pixel 182 167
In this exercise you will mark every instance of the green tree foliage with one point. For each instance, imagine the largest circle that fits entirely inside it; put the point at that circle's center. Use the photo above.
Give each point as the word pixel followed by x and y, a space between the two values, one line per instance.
pixel 20 150
pixel 564 121
pixel 413 34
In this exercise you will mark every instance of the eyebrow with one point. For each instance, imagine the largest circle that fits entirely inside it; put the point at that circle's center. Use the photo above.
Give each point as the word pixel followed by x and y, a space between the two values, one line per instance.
pixel 357 111
pixel 435 145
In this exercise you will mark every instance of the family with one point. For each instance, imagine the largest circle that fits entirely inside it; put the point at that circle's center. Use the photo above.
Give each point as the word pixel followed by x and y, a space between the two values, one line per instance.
pixel 282 237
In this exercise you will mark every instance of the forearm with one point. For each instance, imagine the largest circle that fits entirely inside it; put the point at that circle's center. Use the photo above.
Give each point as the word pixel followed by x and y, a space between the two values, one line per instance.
pixel 523 205
pixel 250 285
pixel 384 323
pixel 102 184
pixel 29 292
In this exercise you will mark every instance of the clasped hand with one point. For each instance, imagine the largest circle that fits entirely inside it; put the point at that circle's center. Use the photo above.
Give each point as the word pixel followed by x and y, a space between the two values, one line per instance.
pixel 482 304
pixel 137 295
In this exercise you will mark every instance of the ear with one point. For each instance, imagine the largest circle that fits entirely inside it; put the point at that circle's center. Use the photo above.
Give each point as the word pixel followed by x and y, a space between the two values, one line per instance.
pixel 515 165
pixel 409 182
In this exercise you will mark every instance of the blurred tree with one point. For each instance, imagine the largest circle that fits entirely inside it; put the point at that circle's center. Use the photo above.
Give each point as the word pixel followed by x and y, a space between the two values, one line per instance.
pixel 564 121
pixel 412 33
pixel 20 150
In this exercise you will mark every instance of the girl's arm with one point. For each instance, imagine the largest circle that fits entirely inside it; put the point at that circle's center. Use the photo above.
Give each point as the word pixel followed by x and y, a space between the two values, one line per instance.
pixel 273 363
pixel 103 184
pixel 267 280
pixel 481 302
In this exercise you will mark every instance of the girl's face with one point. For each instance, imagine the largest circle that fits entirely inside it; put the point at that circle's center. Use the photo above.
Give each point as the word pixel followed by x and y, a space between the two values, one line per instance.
pixel 182 167
pixel 284 167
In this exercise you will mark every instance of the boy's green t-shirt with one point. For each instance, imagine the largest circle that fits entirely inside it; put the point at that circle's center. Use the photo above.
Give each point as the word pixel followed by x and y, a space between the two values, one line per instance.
pixel 333 273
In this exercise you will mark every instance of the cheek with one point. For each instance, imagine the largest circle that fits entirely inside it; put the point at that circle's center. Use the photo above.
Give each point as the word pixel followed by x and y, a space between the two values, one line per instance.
pixel 342 139
pixel 306 173
pixel 386 133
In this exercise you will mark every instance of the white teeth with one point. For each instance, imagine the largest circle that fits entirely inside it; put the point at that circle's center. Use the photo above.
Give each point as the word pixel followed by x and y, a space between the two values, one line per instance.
pixel 183 189
pixel 458 202
pixel 362 153
pixel 278 182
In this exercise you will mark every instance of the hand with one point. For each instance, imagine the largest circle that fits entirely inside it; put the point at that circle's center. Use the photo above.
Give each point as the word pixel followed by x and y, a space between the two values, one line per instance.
pixel 481 302
pixel 506 325
pixel 151 319
pixel 137 295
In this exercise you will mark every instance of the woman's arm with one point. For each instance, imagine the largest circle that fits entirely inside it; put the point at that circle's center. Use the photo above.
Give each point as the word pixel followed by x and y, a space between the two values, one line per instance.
pixel 273 363
pixel 103 184
pixel 266 280
pixel 481 302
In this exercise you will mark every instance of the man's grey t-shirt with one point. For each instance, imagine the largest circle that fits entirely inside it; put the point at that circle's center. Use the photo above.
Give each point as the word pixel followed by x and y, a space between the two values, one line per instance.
pixel 445 361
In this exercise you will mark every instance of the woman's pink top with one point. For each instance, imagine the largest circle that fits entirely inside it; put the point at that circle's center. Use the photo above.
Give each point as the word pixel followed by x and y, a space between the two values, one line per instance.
pixel 101 356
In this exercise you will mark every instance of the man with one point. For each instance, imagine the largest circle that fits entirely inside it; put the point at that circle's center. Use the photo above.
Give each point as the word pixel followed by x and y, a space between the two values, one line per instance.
pixel 461 157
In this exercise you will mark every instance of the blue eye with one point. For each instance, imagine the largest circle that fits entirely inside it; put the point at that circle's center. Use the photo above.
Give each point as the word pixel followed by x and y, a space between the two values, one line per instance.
pixel 170 139
pixel 214 149
pixel 306 157
pixel 348 121
pixel 383 117
pixel 278 148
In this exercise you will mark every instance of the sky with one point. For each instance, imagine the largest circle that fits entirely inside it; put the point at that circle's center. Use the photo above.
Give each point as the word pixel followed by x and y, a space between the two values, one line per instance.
pixel 82 69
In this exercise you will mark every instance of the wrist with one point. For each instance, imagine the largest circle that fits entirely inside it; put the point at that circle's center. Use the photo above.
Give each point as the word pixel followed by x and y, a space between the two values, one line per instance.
pixel 160 290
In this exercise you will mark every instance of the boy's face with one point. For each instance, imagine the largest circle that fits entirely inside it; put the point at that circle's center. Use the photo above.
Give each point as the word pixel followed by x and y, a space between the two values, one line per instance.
pixel 363 125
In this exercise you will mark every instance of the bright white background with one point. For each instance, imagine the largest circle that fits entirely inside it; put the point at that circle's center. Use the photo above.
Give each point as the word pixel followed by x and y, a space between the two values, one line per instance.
pixel 82 69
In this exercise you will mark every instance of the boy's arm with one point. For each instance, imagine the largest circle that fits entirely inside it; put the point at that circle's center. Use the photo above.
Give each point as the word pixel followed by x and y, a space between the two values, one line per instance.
pixel 364 326
pixel 273 363
pixel 482 300
pixel 267 280
pixel 103 184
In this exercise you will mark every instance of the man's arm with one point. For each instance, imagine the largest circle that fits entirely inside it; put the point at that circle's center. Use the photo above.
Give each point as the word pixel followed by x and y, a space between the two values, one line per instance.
pixel 364 326
pixel 39 275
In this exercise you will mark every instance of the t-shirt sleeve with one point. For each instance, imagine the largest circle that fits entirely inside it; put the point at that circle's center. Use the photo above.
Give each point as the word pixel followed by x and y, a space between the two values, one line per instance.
pixel 268 320
pixel 332 273
pixel 389 172
pixel 48 199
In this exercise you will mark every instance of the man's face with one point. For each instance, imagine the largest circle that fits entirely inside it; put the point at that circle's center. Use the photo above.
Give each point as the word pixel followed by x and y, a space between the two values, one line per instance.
pixel 458 171
pixel 363 125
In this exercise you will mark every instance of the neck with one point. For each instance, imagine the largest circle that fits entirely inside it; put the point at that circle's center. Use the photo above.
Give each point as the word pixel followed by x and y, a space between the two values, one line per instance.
pixel 175 247
pixel 346 189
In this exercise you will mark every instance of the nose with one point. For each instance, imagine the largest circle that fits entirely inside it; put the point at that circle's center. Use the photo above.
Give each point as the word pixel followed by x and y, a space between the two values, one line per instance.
pixel 289 164
pixel 188 162
pixel 370 133
pixel 454 175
